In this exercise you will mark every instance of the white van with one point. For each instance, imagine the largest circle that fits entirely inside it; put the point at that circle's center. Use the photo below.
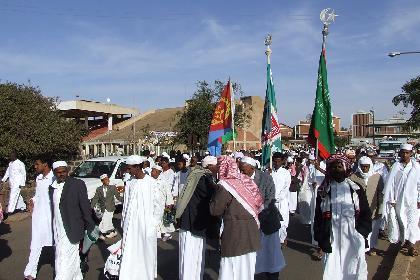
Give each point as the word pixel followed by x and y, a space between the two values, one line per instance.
pixel 90 170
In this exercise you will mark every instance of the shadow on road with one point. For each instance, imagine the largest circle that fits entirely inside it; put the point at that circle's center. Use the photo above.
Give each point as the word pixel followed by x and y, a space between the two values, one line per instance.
pixel 387 262
pixel 5 250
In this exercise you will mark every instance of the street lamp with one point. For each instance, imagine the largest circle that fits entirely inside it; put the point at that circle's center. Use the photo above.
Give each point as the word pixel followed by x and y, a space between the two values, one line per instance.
pixel 394 54
pixel 108 100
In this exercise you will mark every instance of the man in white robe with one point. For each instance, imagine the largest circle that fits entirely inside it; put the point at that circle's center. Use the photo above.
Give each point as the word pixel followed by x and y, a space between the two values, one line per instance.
pixel 282 179
pixel 342 223
pixel 169 176
pixel 167 201
pixel 141 215
pixel 16 174
pixel 41 215
pixel 402 192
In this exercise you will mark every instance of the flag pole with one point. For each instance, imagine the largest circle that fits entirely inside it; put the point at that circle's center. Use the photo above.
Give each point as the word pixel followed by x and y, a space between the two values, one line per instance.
pixel 232 108
pixel 268 54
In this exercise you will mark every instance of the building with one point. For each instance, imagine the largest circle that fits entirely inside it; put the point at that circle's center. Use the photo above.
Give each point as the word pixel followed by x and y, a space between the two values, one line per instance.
pixel 301 130
pixel 365 128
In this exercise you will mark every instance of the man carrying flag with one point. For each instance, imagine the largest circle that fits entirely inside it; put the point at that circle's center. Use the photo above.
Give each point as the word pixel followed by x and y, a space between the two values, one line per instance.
pixel 270 135
pixel 221 128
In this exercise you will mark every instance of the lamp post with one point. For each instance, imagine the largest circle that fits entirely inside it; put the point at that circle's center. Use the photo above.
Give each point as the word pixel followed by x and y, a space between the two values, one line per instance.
pixel 394 54
pixel 373 135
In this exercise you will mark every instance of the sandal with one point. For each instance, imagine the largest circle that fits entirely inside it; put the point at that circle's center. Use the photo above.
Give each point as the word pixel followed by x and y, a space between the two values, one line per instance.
pixel 412 252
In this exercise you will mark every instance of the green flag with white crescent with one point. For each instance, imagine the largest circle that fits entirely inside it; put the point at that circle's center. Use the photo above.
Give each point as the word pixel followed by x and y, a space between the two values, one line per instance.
pixel 270 134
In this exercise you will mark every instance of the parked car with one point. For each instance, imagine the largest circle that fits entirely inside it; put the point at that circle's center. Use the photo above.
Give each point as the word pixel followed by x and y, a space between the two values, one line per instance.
pixel 90 170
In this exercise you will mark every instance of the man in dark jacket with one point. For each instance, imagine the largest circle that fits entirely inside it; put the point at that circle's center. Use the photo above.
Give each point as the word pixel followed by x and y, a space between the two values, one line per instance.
pixel 71 219
pixel 195 221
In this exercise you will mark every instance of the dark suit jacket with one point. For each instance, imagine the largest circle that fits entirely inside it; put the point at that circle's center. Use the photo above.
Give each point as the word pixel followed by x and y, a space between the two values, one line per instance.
pixel 265 183
pixel 106 203
pixel 75 209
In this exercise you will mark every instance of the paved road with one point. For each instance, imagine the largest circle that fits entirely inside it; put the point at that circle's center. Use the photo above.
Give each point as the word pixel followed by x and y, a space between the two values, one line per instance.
pixel 15 240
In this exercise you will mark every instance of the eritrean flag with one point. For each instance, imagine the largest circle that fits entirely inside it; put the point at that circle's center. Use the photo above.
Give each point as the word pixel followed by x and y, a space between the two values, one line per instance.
pixel 221 125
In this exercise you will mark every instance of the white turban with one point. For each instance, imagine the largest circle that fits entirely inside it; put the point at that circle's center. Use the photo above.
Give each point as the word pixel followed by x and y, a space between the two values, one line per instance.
pixel 157 167
pixel 165 154
pixel 290 160
pixel 58 164
pixel 249 160
pixel 134 159
pixel 209 160
pixel 365 161
pixel 103 176
pixel 351 153
pixel 237 155
pixel 311 157
pixel 407 147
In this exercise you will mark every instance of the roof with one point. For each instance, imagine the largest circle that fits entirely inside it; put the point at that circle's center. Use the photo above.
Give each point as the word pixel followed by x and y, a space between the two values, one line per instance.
pixel 162 120
pixel 87 108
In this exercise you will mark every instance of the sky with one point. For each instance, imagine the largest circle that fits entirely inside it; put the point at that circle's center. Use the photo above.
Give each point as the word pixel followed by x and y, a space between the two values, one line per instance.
pixel 150 54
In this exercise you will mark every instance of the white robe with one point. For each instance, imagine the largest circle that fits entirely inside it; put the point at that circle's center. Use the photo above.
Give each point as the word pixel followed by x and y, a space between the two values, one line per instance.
pixel 238 268
pixel 41 222
pixel 347 259
pixel 67 259
pixel 282 180
pixel 304 201
pixel 141 215
pixel 16 174
pixel 170 177
pixel 167 199
pixel 315 176
pixel 403 189
pixel 192 250
pixel 270 257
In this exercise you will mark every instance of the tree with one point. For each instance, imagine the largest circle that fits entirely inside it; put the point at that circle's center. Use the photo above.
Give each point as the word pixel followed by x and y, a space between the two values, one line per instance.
pixel 410 97
pixel 194 122
pixel 30 124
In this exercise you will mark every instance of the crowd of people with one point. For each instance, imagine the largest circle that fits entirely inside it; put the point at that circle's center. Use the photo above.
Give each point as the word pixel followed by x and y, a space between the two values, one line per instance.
pixel 348 201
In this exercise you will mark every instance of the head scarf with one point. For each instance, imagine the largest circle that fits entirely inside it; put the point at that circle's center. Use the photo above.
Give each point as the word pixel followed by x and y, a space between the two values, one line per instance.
pixel 365 160
pixel 334 158
pixel 242 187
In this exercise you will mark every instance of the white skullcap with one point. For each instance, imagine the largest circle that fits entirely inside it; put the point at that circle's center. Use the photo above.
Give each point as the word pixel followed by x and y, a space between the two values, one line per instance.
pixel 103 176
pixel 371 152
pixel 134 159
pixel 249 160
pixel 209 160
pixel 157 167
pixel 152 153
pixel 207 153
pixel 237 155
pixel 289 159
pixel 311 157
pixel 165 154
pixel 407 147
pixel 365 160
pixel 58 164
pixel 186 157
pixel 350 152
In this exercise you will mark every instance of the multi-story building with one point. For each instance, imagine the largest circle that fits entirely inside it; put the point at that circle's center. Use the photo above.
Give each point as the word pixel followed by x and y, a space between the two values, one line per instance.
pixel 365 128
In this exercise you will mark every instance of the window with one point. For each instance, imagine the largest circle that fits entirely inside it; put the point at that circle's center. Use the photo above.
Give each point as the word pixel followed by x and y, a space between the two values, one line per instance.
pixel 94 169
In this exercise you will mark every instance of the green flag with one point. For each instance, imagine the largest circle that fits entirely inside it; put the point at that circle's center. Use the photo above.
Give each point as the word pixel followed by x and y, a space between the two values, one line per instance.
pixel 321 131
pixel 270 135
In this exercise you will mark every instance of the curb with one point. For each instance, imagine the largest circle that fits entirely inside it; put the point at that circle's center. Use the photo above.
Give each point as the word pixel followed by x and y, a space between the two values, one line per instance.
pixel 405 267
